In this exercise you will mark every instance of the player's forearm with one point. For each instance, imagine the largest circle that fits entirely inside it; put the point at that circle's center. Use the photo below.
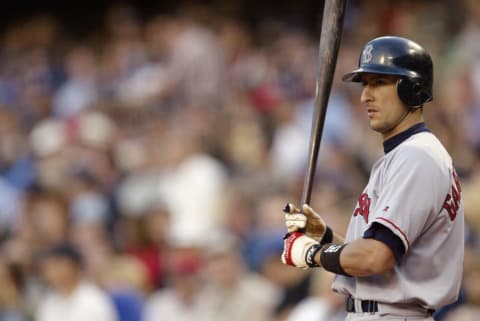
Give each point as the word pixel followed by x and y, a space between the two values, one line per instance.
pixel 363 257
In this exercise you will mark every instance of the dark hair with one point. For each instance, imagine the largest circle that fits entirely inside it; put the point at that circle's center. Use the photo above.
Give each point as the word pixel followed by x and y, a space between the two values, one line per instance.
pixel 63 250
pixel 16 274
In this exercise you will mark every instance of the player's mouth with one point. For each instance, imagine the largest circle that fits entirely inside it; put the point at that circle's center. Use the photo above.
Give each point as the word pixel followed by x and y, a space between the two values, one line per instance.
pixel 371 112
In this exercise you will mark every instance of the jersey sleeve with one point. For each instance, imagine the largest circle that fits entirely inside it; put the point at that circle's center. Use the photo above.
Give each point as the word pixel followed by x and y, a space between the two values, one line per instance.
pixel 411 192
pixel 383 234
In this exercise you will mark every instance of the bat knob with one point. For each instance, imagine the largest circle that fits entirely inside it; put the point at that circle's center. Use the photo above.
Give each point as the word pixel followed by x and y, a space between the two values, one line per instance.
pixel 290 208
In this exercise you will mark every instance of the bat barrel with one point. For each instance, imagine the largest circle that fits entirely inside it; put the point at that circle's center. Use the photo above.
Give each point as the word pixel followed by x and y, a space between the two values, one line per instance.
pixel 332 25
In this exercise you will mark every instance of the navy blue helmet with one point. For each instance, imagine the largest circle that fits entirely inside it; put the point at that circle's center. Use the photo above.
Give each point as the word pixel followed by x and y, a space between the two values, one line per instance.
pixel 401 57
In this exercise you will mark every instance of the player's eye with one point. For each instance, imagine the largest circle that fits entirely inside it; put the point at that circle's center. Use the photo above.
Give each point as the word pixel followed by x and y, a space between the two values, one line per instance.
pixel 374 82
pixel 379 82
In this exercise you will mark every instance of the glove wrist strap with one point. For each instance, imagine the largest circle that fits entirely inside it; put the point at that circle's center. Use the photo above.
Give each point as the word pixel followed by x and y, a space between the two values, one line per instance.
pixel 310 255
pixel 327 236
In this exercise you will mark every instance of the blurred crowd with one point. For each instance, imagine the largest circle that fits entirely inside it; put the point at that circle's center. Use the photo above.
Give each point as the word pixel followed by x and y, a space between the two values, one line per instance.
pixel 144 166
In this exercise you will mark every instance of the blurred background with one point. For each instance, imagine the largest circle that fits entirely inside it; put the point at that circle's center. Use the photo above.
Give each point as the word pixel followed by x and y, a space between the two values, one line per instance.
pixel 147 149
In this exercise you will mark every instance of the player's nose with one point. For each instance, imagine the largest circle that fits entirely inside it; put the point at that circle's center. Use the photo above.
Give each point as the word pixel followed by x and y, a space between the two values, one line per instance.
pixel 366 95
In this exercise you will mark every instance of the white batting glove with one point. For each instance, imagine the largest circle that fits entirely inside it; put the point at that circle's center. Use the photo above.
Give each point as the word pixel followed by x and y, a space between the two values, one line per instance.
pixel 307 221
pixel 299 250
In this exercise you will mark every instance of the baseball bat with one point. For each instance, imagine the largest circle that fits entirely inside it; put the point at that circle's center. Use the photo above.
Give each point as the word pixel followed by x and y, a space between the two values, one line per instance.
pixel 331 33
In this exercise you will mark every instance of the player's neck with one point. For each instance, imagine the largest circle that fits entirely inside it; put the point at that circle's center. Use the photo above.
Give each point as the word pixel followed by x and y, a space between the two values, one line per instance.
pixel 411 119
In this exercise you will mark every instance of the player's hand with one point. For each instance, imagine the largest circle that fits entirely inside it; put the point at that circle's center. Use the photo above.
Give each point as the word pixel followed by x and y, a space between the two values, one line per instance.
pixel 307 221
pixel 299 250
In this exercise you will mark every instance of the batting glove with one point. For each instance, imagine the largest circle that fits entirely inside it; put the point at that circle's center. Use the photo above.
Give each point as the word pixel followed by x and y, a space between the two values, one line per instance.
pixel 307 221
pixel 299 250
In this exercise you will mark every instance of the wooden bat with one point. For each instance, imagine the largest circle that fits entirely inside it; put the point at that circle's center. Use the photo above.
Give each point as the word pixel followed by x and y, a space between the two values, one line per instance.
pixel 332 26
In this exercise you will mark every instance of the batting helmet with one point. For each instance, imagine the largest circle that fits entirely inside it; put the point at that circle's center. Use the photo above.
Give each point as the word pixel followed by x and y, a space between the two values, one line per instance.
pixel 402 57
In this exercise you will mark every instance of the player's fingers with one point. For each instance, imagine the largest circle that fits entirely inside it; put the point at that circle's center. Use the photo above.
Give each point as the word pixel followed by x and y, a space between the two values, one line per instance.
pixel 295 221
pixel 309 212
pixel 295 218
pixel 292 228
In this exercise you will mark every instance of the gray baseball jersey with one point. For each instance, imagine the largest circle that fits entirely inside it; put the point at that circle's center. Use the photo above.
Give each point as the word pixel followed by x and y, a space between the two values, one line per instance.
pixel 414 193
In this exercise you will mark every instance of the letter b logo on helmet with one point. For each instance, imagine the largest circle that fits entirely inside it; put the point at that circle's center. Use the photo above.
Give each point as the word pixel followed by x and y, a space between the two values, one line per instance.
pixel 367 54
pixel 401 57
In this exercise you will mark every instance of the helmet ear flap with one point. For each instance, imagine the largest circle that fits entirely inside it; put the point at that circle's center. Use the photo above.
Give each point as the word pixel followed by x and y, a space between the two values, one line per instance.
pixel 411 92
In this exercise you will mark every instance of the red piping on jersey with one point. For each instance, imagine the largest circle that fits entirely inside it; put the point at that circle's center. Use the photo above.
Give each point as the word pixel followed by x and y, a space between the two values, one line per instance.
pixel 396 227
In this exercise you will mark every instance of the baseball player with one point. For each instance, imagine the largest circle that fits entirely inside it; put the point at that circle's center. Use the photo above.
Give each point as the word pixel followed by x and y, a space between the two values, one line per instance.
pixel 402 256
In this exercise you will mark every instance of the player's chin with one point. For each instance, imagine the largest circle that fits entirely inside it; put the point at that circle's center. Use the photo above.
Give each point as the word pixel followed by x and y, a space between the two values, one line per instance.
pixel 375 125
pixel 379 127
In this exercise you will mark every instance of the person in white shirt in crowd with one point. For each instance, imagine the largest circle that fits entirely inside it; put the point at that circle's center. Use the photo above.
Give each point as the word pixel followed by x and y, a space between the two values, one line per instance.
pixel 180 299
pixel 72 298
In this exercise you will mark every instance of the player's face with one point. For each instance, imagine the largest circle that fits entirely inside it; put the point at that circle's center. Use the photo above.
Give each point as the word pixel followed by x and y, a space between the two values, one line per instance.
pixel 384 107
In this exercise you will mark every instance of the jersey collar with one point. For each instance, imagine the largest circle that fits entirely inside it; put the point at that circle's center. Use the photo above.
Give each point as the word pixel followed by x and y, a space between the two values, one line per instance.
pixel 396 140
